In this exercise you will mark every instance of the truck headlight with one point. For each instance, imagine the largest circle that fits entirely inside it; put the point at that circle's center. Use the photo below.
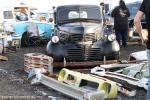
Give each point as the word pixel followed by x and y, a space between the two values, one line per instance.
pixel 55 39
pixel 111 37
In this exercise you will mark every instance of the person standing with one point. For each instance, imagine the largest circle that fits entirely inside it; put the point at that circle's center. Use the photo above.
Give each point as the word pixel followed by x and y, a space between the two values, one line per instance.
pixel 144 10
pixel 121 14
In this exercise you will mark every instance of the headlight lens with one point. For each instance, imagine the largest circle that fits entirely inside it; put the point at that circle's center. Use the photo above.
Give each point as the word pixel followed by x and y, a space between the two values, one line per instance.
pixel 111 37
pixel 55 39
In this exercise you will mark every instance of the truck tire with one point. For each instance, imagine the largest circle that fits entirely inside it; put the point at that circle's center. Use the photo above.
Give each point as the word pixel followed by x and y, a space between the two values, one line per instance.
pixel 25 40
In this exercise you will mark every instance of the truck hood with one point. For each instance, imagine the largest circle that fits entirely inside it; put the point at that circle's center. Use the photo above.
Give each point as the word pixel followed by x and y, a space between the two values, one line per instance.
pixel 81 27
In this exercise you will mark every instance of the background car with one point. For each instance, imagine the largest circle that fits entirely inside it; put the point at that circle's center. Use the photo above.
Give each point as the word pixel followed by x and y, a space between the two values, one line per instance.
pixel 18 22
pixel 133 8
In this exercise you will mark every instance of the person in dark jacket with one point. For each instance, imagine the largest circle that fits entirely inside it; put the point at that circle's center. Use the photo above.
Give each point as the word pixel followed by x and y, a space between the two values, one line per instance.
pixel 121 14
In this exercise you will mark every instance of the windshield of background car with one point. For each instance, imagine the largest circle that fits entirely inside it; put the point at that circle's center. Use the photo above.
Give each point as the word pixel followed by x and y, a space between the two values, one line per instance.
pixel 133 8
pixel 87 13
pixel 133 12
pixel 8 15
pixel 46 15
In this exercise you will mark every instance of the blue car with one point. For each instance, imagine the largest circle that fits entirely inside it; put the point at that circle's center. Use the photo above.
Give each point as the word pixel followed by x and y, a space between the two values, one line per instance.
pixel 18 21
pixel 25 31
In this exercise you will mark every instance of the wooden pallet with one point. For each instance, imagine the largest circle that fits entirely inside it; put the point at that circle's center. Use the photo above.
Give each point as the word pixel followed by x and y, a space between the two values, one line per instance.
pixel 37 60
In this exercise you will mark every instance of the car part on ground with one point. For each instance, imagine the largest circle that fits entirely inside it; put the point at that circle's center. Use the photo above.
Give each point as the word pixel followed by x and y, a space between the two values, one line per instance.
pixel 88 81
pixel 139 55
pixel 50 80
pixel 73 91
pixel 3 58
pixel 138 71
pixel 133 75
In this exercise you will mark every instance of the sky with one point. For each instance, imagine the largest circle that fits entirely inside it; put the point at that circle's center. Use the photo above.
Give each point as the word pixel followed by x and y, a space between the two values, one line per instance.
pixel 47 4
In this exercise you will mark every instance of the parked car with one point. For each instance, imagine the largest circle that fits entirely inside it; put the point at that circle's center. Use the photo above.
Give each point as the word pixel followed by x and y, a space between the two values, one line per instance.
pixel 17 21
pixel 133 8
pixel 26 31
pixel 79 35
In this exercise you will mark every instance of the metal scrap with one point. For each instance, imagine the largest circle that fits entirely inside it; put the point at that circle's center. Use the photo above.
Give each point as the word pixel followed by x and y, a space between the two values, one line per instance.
pixel 73 91
pixel 140 55
pixel 132 81
pixel 3 58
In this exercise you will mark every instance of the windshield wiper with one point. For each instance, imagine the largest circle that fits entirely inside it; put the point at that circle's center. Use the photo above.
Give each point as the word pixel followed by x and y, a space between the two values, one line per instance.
pixel 95 20
pixel 79 19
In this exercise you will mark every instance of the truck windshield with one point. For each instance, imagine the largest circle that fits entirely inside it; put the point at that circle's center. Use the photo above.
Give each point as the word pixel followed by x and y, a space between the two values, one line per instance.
pixel 79 12
pixel 21 13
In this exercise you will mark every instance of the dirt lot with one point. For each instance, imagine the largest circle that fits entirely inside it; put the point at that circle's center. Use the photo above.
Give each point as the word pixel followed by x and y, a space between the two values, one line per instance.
pixel 14 84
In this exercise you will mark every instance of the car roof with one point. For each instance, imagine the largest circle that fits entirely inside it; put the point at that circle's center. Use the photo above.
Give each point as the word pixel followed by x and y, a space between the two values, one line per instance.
pixel 72 6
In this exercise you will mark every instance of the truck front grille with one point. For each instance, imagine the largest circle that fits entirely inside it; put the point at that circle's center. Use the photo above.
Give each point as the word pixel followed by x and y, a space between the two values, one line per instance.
pixel 89 37
pixel 82 54
pixel 95 54
pixel 82 37
pixel 76 37
pixel 75 54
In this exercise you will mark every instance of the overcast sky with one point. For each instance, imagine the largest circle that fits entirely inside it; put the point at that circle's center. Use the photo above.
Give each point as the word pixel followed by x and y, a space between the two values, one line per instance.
pixel 45 4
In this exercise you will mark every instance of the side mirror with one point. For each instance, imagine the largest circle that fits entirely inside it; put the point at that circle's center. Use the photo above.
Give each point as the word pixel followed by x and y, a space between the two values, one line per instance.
pixel 108 14
pixel 51 20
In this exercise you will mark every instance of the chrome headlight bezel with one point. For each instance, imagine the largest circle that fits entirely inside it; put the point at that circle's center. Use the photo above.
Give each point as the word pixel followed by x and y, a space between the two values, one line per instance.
pixel 55 39
pixel 63 35
pixel 111 37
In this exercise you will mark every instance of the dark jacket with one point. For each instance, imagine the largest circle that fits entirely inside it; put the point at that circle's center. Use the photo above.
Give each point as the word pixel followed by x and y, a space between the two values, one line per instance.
pixel 120 18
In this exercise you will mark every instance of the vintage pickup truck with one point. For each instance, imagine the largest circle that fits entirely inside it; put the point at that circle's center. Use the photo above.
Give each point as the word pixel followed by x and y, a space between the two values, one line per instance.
pixel 80 35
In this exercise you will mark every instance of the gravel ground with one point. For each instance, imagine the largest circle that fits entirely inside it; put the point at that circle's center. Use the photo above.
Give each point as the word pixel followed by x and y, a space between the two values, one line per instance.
pixel 14 84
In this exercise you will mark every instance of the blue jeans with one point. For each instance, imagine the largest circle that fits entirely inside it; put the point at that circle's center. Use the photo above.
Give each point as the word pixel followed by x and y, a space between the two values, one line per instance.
pixel 148 91
pixel 122 35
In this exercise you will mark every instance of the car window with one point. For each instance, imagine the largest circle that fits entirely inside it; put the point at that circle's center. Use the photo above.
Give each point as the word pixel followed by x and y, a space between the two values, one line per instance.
pixel 133 11
pixel 42 15
pixel 21 16
pixel 8 15
pixel 21 13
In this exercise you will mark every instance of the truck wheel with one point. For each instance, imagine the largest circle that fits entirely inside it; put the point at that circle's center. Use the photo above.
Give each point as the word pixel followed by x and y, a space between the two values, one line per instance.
pixel 25 40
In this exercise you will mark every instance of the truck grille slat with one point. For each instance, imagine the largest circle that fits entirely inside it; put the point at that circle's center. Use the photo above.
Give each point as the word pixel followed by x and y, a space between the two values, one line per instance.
pixel 95 54
pixel 76 37
pixel 82 37
pixel 80 54
pixel 89 37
